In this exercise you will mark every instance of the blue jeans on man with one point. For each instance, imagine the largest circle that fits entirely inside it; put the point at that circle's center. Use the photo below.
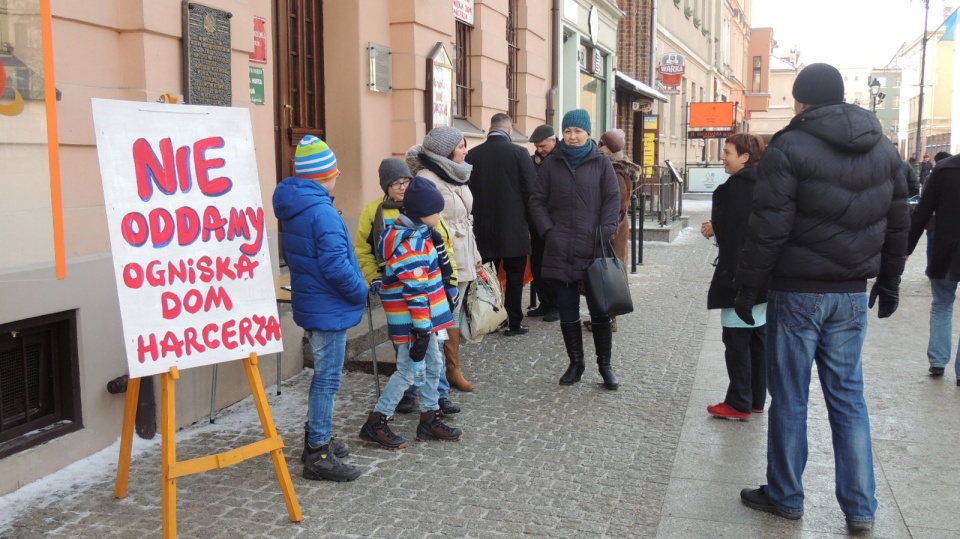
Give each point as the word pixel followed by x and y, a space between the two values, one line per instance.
pixel 941 324
pixel 403 378
pixel 828 329
pixel 329 349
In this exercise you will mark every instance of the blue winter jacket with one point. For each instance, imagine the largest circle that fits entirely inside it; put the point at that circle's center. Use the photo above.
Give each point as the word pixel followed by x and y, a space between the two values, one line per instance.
pixel 329 291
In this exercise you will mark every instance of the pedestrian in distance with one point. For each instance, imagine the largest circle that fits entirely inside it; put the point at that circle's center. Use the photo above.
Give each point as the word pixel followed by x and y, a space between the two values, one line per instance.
pixel 628 174
pixel 441 159
pixel 417 309
pixel 939 206
pixel 829 212
pixel 329 295
pixel 575 196
pixel 395 176
pixel 926 168
pixel 744 343
pixel 544 141
pixel 501 180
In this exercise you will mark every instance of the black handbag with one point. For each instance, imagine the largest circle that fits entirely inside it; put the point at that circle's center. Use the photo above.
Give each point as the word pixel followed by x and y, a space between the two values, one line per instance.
pixel 606 285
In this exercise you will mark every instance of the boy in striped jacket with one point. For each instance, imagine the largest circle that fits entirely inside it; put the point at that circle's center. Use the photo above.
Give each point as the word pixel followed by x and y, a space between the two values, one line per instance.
pixel 417 309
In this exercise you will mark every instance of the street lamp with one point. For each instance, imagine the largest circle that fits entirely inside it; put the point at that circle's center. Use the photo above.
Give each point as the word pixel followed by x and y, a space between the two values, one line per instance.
pixel 874 90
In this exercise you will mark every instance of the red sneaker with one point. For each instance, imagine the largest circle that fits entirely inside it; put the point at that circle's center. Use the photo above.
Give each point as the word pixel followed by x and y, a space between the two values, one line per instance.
pixel 725 411
pixel 757 410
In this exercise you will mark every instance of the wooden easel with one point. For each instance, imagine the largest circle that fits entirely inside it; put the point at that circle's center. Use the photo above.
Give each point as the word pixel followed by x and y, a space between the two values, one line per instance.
pixel 171 469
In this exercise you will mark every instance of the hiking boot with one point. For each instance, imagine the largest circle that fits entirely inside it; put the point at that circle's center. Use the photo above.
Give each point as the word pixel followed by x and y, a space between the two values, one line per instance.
pixel 936 371
pixel 431 428
pixel 756 498
pixel 725 411
pixel 324 465
pixel 406 405
pixel 859 526
pixel 448 407
pixel 377 431
pixel 340 449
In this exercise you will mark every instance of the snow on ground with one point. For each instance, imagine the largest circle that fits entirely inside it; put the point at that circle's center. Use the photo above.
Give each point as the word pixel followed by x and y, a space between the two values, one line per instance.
pixel 73 480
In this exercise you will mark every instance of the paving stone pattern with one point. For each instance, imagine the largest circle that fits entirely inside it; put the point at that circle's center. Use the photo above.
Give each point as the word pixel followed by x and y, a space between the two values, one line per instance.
pixel 536 459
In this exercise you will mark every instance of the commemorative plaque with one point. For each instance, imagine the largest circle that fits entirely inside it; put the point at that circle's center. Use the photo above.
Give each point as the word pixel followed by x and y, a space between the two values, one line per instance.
pixel 206 55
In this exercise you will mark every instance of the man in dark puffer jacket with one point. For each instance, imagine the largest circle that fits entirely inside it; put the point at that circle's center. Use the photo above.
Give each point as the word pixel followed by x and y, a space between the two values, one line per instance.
pixel 829 212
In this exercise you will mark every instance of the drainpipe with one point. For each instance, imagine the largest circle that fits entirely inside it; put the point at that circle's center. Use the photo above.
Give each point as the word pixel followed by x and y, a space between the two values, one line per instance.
pixel 554 66
pixel 653 43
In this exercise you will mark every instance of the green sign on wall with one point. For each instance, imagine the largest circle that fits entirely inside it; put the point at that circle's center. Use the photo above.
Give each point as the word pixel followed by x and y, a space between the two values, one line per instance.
pixel 256 85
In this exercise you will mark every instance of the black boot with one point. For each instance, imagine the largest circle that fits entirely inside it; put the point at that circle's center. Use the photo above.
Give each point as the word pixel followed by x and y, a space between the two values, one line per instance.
pixel 603 342
pixel 573 339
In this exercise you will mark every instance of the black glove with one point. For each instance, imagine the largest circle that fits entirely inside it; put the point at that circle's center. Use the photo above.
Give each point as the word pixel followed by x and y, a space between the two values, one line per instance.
pixel 743 304
pixel 888 290
pixel 419 341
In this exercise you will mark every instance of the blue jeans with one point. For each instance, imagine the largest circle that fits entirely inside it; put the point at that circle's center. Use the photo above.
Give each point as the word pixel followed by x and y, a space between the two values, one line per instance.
pixel 941 324
pixel 329 349
pixel 403 378
pixel 443 386
pixel 828 329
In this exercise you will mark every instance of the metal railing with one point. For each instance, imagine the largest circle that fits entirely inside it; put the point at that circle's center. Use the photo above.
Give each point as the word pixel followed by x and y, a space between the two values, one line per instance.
pixel 663 195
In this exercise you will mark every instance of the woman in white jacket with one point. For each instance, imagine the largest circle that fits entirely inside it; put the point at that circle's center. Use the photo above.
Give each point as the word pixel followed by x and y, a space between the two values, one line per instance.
pixel 440 159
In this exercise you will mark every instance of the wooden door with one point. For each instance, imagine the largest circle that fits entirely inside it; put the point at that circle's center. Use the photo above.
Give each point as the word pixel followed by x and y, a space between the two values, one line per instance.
pixel 299 45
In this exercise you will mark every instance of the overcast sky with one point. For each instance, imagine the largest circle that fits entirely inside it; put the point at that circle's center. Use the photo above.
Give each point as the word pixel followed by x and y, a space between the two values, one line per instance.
pixel 846 33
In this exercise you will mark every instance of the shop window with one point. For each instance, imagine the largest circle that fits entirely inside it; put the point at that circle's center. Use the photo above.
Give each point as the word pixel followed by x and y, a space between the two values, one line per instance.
pixel 513 52
pixel 39 382
pixel 461 103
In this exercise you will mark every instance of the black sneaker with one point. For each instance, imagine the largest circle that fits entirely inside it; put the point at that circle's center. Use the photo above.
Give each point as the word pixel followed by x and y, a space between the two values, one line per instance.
pixel 340 449
pixel 519 330
pixel 859 526
pixel 448 407
pixel 756 498
pixel 323 465
pixel 552 316
pixel 406 405
pixel 377 431
pixel 431 428
pixel 936 371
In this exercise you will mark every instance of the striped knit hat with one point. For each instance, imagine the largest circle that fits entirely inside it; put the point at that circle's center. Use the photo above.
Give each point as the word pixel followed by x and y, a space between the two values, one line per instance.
pixel 315 160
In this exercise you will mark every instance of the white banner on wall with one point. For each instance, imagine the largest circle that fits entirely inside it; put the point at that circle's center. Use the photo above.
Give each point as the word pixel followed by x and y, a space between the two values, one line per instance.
pixel 188 234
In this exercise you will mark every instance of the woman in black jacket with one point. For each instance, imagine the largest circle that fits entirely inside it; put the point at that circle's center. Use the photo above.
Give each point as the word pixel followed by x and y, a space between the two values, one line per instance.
pixel 744 355
pixel 576 193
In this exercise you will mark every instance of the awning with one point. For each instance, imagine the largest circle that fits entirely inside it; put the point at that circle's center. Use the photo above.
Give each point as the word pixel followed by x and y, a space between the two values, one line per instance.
pixel 638 88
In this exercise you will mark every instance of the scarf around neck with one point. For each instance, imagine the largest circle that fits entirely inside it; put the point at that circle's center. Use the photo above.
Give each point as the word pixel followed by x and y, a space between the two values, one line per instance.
pixel 576 154
pixel 446 169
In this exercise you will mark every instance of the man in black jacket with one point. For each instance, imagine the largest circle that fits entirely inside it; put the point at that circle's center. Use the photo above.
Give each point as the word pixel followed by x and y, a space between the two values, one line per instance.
pixel 500 182
pixel 939 202
pixel 829 212
pixel 544 140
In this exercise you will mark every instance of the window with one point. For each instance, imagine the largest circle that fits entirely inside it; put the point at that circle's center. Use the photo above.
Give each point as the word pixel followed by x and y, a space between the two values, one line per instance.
pixel 513 52
pixel 461 61
pixel 39 384
pixel 757 69
pixel 896 101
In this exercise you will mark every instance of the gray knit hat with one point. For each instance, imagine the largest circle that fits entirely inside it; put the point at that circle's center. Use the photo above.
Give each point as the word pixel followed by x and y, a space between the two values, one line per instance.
pixel 392 169
pixel 443 140
pixel 541 133
pixel 577 118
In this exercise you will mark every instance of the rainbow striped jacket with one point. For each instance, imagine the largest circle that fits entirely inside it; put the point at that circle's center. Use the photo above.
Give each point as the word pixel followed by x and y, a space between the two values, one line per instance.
pixel 412 291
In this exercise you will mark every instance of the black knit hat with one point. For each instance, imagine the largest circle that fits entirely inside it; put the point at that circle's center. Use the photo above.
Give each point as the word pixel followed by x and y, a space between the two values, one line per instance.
pixel 818 84
pixel 422 198
pixel 391 170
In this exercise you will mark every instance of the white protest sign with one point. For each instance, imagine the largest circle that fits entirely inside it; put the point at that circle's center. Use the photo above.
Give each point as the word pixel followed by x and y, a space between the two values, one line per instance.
pixel 188 234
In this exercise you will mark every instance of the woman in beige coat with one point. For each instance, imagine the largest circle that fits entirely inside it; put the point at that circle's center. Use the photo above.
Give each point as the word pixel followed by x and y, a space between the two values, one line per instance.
pixel 440 159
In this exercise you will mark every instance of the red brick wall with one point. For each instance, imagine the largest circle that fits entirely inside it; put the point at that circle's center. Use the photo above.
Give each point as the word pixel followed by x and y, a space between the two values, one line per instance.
pixel 633 58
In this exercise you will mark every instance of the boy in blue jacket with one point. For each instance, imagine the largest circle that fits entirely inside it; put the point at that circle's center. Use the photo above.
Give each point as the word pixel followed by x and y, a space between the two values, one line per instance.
pixel 417 309
pixel 329 294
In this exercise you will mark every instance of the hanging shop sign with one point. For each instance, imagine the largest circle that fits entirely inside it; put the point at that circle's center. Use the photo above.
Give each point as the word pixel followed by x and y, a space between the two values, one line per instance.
pixel 670 72
pixel 716 114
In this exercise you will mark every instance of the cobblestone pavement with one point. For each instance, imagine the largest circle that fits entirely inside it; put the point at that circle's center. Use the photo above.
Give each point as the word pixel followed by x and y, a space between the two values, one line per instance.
pixel 543 460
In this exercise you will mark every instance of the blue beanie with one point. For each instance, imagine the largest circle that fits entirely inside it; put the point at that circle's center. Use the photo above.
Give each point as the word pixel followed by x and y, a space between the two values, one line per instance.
pixel 576 118
pixel 422 198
